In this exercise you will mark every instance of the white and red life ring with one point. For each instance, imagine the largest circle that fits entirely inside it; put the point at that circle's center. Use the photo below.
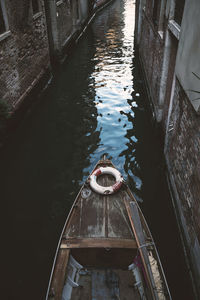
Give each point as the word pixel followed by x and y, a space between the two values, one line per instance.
pixel 106 189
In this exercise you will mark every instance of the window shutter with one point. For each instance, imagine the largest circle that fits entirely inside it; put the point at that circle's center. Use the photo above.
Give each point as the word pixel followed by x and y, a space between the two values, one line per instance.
pixel 178 12
pixel 2 23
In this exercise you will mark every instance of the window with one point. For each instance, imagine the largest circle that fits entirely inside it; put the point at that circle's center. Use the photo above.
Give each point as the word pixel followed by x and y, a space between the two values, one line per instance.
pixel 4 26
pixel 178 11
pixel 77 9
pixel 2 22
pixel 35 6
pixel 156 12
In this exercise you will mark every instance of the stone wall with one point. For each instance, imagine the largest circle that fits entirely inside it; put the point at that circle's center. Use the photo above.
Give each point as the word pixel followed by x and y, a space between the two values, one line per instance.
pixel 24 53
pixel 32 36
pixel 151 49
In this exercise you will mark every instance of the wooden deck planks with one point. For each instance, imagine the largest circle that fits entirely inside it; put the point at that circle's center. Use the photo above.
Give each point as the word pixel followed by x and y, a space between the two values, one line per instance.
pixel 92 217
pixel 98 243
pixel 99 284
pixel 118 222
pixel 98 216
pixel 73 226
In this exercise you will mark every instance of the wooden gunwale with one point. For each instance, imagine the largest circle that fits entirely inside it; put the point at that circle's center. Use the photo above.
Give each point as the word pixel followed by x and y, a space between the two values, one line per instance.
pixel 59 274
pixel 146 227
pixel 141 253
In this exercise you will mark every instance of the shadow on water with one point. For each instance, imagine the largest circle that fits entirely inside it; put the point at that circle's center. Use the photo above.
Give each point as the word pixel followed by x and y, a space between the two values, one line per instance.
pixel 41 171
pixel 96 104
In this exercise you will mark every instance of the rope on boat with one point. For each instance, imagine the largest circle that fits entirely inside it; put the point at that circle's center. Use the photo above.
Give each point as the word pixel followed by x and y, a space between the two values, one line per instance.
pixel 146 245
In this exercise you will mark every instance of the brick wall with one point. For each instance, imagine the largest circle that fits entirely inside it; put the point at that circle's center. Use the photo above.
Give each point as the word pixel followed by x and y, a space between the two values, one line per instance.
pixel 24 54
pixel 183 150
pixel 183 158
pixel 151 49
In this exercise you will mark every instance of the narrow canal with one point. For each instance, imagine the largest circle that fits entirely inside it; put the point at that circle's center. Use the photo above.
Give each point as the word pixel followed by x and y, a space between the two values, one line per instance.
pixel 96 104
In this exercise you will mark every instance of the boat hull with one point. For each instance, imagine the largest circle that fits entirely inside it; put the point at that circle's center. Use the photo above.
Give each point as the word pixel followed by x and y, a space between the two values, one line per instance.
pixel 100 233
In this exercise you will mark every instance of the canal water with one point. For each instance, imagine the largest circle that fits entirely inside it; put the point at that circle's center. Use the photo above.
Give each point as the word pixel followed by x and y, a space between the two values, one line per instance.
pixel 95 104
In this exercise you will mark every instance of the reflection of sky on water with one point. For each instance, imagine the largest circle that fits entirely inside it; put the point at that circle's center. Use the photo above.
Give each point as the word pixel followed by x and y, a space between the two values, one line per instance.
pixel 113 79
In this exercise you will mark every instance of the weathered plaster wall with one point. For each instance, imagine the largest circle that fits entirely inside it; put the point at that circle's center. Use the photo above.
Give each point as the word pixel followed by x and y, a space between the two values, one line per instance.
pixel 24 54
pixel 188 52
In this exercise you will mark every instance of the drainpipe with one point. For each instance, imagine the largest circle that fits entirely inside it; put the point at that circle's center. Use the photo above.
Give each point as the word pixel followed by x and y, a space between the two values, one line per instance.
pixel 51 17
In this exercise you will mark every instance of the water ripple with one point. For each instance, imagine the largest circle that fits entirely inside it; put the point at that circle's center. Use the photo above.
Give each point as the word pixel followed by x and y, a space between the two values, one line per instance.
pixel 113 84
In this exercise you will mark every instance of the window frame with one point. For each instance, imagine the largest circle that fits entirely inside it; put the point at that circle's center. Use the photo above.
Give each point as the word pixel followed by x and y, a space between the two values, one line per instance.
pixel 77 8
pixel 7 32
pixel 172 12
pixel 160 17
pixel 39 12
pixel 173 26
pixel 59 2
pixel 175 19
pixel 156 12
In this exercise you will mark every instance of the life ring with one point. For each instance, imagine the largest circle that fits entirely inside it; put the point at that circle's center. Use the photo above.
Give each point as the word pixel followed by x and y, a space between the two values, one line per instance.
pixel 106 189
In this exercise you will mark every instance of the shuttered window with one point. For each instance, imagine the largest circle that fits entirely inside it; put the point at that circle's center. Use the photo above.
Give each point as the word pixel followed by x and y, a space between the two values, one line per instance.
pixel 35 6
pixel 2 22
pixel 77 9
pixel 156 11
pixel 178 11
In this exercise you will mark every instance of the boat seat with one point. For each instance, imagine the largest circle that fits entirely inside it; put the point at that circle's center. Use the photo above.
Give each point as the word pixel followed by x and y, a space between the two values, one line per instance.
pixel 72 278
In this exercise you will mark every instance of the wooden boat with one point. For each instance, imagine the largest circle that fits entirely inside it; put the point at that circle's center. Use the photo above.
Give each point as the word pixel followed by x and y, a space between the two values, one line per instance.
pixel 106 250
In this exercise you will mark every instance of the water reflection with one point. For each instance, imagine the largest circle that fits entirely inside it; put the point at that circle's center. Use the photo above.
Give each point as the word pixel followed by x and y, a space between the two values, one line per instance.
pixel 115 97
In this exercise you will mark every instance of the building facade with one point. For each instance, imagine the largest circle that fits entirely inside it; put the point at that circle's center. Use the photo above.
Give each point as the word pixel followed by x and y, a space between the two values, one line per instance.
pixel 65 19
pixel 168 38
pixel 24 50
pixel 33 35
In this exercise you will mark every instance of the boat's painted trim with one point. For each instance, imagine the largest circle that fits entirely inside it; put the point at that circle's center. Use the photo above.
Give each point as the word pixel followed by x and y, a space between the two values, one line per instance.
pixel 146 227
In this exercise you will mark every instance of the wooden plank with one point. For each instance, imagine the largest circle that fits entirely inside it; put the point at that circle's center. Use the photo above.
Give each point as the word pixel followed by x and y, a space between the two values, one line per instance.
pixel 140 239
pixel 98 243
pixel 73 227
pixel 58 279
pixel 118 221
pixel 92 216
